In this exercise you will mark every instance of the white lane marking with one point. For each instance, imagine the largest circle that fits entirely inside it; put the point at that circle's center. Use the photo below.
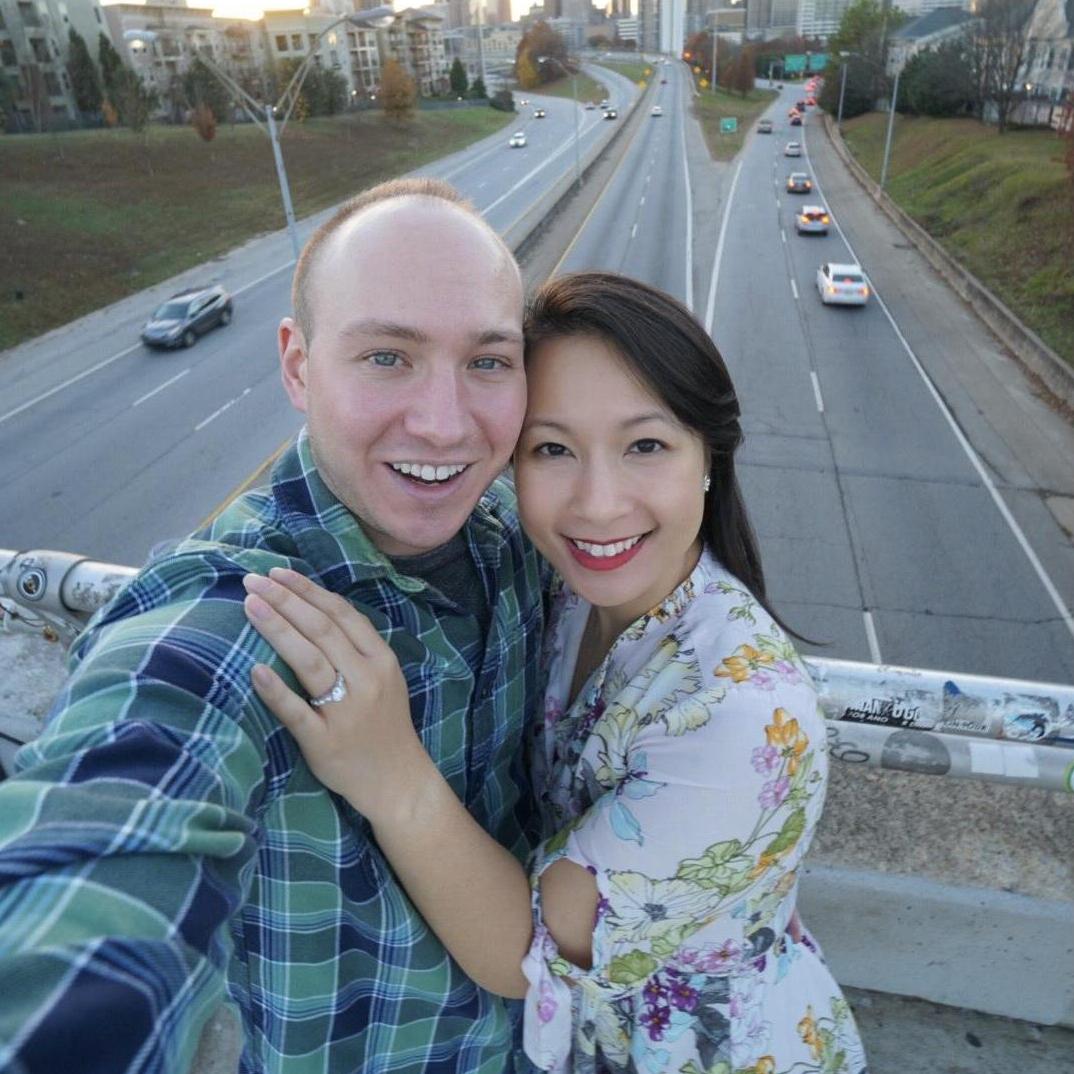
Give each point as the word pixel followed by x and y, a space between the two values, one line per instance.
pixel 528 176
pixel 870 634
pixel 634 231
pixel 121 354
pixel 216 413
pixel 689 213
pixel 710 308
pixel 642 202
pixel 783 236
pixel 794 289
pixel 1001 506
pixel 160 388
pixel 67 383
pixel 816 391
pixel 779 204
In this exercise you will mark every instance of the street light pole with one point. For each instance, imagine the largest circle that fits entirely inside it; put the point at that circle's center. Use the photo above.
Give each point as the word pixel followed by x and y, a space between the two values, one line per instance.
pixel 714 28
pixel 574 96
pixel 891 125
pixel 281 175
pixel 842 90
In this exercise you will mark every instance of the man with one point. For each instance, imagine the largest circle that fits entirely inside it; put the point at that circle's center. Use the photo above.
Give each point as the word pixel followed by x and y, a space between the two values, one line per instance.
pixel 163 847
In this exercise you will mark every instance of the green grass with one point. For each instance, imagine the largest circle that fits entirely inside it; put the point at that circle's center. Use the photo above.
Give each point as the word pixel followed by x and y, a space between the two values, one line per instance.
pixel 711 107
pixel 1001 204
pixel 635 70
pixel 91 216
pixel 588 90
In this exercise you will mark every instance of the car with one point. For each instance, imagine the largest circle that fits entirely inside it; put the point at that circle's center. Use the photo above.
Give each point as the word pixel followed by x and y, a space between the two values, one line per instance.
pixel 187 315
pixel 589 106
pixel 610 113
pixel 517 140
pixel 604 103
pixel 656 110
pixel 796 120
pixel 792 149
pixel 842 284
pixel 764 126
pixel 663 82
pixel 800 105
pixel 538 113
pixel 811 102
pixel 799 183
pixel 523 102
pixel 779 85
pixel 812 220
pixel 793 112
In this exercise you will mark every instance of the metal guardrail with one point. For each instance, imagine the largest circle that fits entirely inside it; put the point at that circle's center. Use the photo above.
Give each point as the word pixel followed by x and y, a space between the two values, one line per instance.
pixel 900 719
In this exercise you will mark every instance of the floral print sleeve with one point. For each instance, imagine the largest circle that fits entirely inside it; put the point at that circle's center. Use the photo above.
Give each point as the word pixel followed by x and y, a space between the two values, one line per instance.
pixel 688 777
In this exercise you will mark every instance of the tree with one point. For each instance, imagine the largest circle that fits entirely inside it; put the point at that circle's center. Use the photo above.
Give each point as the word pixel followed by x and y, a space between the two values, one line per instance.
pixel 459 82
pixel 526 73
pixel 477 90
pixel 937 82
pixel 860 88
pixel 864 30
pixel 111 63
pixel 538 42
pixel 398 93
pixel 502 101
pixel 204 122
pixel 996 43
pixel 85 82
pixel 742 78
pixel 201 89
pixel 133 100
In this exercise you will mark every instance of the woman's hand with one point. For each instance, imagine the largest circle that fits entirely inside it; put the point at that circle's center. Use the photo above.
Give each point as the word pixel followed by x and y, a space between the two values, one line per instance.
pixel 364 746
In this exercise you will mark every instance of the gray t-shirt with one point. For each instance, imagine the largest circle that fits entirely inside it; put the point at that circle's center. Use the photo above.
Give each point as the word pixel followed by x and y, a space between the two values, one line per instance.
pixel 450 569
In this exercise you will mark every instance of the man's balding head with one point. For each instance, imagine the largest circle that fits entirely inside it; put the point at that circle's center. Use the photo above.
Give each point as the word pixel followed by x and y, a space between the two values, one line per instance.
pixel 387 197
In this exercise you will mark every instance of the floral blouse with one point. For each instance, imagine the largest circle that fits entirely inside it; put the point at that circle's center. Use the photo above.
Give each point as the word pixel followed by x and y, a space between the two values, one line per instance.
pixel 688 777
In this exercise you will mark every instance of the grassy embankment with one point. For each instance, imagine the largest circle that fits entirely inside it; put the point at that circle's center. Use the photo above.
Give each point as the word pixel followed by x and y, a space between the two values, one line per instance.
pixel 711 107
pixel 635 70
pixel 90 216
pixel 588 90
pixel 1000 204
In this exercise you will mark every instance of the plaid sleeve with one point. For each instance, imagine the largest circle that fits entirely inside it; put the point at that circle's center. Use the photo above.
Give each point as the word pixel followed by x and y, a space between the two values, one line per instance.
pixel 128 837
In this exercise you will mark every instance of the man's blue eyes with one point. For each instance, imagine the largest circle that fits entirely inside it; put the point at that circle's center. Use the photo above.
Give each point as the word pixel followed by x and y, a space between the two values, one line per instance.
pixel 389 360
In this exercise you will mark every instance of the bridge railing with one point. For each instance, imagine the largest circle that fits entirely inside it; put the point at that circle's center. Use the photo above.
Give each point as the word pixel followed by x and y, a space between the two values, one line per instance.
pixel 905 719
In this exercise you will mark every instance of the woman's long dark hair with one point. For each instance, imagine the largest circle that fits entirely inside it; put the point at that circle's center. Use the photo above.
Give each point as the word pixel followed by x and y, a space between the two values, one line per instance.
pixel 675 359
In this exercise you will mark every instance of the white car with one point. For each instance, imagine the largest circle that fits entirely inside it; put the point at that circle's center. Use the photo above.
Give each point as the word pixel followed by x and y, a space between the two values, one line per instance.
pixel 792 149
pixel 656 110
pixel 517 140
pixel 842 284
pixel 812 220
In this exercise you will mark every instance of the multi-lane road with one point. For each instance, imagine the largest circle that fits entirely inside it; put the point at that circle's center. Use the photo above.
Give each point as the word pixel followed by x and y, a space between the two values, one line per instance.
pixel 883 530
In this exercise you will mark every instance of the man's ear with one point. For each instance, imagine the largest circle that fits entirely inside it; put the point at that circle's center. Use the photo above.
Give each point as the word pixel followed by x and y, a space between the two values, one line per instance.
pixel 293 363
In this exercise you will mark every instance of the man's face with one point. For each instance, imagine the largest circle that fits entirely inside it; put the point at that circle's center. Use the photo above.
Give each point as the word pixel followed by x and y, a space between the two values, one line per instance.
pixel 412 385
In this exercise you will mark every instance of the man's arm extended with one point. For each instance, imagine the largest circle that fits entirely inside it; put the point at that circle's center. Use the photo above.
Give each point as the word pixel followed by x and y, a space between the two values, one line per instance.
pixel 125 844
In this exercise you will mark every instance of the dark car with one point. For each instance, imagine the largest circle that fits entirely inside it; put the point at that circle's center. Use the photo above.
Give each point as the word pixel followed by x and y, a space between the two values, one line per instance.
pixel 796 120
pixel 539 113
pixel 610 113
pixel 799 183
pixel 187 315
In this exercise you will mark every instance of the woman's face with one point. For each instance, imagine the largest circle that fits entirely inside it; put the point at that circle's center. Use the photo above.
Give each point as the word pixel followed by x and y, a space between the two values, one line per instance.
pixel 609 482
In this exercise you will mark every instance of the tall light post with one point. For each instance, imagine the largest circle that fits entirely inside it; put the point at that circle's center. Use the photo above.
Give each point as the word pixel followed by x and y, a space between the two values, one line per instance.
pixel 265 113
pixel 891 125
pixel 845 56
pixel 574 95
pixel 714 28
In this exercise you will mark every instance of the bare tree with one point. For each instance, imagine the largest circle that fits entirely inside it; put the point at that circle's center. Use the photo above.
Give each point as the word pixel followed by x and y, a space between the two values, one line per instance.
pixel 996 44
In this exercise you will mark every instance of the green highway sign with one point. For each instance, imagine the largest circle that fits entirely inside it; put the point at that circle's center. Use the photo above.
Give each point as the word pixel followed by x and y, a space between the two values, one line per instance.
pixel 728 126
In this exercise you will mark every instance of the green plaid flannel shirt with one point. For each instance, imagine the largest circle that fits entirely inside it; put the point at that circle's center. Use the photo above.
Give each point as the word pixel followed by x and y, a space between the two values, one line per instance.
pixel 163 846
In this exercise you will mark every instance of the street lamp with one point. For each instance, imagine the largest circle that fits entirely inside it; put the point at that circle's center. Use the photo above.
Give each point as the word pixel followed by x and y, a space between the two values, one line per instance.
pixel 258 111
pixel 891 125
pixel 574 94
pixel 842 90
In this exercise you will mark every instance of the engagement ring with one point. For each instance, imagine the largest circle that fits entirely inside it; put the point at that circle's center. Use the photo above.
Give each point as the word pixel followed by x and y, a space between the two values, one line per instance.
pixel 337 692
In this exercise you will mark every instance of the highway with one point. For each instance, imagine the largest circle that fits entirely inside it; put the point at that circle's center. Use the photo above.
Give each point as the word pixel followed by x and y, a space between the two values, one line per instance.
pixel 884 534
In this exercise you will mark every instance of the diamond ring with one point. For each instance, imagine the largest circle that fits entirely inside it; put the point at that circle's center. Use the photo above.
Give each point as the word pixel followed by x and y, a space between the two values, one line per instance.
pixel 337 692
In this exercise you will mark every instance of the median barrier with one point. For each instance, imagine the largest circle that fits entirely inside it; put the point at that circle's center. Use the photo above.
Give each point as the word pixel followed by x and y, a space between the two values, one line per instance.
pixel 1033 353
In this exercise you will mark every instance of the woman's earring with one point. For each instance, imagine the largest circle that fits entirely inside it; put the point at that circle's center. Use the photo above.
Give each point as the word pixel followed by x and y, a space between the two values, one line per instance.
pixel 708 483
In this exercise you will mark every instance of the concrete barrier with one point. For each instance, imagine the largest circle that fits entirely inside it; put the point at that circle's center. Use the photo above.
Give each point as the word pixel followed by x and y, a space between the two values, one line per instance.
pixel 1033 353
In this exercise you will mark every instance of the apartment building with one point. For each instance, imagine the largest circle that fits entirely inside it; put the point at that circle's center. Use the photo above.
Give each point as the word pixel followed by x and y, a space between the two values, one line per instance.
pixel 34 36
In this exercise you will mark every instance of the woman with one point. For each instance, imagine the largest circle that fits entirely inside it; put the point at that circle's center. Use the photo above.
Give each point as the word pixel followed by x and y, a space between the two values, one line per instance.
pixel 680 765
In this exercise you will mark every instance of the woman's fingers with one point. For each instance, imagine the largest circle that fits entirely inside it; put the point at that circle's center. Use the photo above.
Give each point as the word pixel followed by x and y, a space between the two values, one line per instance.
pixel 313 652
pixel 361 632
pixel 285 704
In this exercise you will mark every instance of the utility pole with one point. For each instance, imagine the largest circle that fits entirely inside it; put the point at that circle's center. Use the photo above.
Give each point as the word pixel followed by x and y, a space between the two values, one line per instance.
pixel 842 90
pixel 891 124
